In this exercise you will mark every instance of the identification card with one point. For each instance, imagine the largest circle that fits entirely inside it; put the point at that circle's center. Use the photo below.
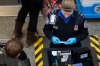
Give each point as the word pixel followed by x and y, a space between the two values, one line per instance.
pixel 52 19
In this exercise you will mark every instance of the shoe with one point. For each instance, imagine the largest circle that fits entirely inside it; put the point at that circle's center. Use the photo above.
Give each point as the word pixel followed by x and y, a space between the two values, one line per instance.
pixel 18 29
pixel 31 38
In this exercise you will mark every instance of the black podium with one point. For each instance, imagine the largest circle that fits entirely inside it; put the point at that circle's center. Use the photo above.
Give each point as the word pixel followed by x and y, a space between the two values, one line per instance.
pixel 86 52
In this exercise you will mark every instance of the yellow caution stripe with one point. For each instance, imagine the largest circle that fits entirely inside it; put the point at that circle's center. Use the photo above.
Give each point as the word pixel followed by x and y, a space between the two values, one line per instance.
pixel 40 64
pixel 38 52
pixel 94 39
pixel 39 49
pixel 95 44
pixel 38 42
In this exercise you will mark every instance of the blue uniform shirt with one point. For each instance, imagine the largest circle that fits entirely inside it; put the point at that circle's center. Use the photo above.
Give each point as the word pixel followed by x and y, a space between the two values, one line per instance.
pixel 66 20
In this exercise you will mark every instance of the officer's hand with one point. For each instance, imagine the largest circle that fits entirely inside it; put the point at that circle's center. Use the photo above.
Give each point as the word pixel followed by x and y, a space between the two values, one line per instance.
pixel 55 40
pixel 70 41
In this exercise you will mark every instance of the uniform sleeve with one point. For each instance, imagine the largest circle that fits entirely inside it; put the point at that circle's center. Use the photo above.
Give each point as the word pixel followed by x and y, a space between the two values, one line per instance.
pixel 83 30
pixel 48 29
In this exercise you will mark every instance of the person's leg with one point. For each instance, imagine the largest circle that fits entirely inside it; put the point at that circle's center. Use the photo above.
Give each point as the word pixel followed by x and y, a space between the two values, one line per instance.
pixel 22 14
pixel 21 18
pixel 32 27
pixel 33 14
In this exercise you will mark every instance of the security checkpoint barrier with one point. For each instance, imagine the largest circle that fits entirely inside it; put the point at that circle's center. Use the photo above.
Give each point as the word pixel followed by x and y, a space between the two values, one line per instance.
pixel 41 58
pixel 95 44
pixel 38 52
pixel 89 8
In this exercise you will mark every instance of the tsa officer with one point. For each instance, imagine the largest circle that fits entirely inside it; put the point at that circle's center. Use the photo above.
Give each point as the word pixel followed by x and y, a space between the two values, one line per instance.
pixel 65 27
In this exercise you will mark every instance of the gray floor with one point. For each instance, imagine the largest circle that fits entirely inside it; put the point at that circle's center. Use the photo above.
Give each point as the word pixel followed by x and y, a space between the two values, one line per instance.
pixel 7 26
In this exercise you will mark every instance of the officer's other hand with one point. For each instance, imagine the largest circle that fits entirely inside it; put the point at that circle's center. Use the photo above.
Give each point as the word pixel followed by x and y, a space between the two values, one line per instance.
pixel 55 40
pixel 70 41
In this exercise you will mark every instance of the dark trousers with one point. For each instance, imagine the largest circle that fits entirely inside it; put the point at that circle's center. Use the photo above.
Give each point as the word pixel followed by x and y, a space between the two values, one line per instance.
pixel 33 8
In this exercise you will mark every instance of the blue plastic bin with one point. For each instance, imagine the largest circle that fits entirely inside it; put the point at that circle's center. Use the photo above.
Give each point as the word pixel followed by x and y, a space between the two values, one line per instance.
pixel 89 11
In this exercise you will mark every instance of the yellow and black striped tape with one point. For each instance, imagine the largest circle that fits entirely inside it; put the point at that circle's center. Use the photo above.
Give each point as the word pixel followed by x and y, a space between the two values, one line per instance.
pixel 38 52
pixel 39 46
pixel 95 44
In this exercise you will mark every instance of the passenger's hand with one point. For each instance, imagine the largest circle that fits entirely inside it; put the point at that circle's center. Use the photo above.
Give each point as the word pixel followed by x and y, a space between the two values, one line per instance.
pixel 70 41
pixel 55 40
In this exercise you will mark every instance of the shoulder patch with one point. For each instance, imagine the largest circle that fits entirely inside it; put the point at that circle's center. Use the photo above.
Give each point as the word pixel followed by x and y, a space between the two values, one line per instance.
pixel 85 24
pixel 81 15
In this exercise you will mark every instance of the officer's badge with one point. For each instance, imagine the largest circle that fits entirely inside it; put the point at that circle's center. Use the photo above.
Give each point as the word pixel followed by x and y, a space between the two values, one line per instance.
pixel 55 27
pixel 52 19
pixel 85 24
pixel 75 27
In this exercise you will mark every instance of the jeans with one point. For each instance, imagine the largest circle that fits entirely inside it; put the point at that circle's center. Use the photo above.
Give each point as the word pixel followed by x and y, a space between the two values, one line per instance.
pixel 33 9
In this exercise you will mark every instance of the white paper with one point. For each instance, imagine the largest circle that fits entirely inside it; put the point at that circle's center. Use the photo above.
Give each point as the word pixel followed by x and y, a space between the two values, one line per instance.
pixel 54 53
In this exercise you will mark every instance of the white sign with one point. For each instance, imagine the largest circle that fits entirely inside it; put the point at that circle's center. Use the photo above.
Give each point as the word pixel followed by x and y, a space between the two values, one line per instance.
pixel 97 9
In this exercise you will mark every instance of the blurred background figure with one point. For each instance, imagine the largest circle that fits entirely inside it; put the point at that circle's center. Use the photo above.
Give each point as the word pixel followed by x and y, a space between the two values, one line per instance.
pixel 49 5
pixel 32 7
